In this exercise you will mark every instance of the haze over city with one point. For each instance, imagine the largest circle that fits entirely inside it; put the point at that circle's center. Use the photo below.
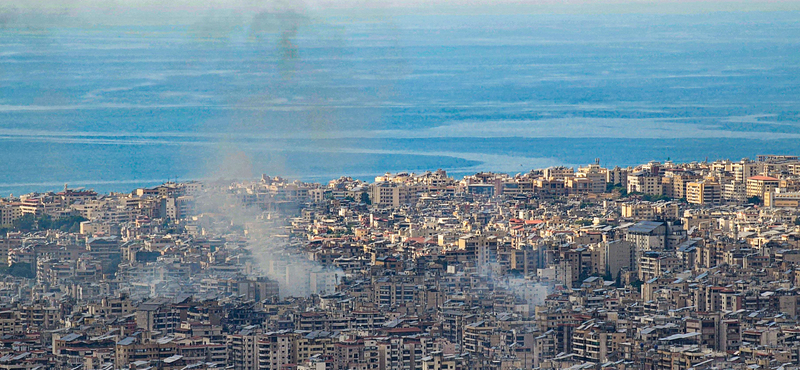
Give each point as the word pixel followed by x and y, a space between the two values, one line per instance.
pixel 108 94
pixel 399 185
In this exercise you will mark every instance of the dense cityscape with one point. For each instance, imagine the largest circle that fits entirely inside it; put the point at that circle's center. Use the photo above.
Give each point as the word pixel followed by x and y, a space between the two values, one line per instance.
pixel 659 266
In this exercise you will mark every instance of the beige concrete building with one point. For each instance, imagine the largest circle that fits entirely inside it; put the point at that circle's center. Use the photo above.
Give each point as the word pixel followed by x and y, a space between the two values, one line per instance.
pixel 394 194
pixel 559 172
pixel 744 169
pixel 680 181
pixel 645 182
pixel 8 213
pixel 734 191
pixel 703 192
pixel 653 264
pixel 785 200
pixel 274 351
pixel 583 185
pixel 617 176
pixel 596 174
pixel 758 185
pixel 637 210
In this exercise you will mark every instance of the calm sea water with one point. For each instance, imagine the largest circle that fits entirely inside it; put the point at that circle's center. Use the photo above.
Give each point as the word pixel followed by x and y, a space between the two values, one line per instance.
pixel 315 97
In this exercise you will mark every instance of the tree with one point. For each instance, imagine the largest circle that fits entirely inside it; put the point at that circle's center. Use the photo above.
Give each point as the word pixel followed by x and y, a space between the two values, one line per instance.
pixel 655 198
pixel 45 222
pixel 69 223
pixel 754 200
pixel 24 223
pixel 112 265
pixel 76 227
pixel 365 198
pixel 21 269
pixel 797 221
pixel 30 222
pixel 583 276
pixel 618 282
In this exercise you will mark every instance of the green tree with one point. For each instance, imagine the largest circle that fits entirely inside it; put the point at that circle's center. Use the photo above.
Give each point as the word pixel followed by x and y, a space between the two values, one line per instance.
pixel 69 223
pixel 21 269
pixel 76 227
pixel 45 222
pixel 112 266
pixel 583 276
pixel 754 200
pixel 365 198
pixel 24 223
pixel 655 198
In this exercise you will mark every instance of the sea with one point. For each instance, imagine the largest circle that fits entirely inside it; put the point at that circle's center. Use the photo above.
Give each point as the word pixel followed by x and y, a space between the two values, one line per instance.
pixel 315 97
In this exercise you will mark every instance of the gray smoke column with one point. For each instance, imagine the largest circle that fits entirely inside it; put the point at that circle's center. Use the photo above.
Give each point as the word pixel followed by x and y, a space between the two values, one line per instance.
pixel 246 111
pixel 271 252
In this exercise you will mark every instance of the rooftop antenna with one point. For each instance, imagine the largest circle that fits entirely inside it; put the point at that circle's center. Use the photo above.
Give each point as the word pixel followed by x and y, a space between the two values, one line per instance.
pixel 597 161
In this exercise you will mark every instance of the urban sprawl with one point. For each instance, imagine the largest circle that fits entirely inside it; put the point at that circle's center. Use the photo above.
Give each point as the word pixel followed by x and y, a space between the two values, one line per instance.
pixel 662 266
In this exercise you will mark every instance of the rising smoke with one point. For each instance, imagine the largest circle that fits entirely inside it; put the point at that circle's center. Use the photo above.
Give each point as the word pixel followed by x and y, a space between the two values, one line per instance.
pixel 272 34
pixel 271 250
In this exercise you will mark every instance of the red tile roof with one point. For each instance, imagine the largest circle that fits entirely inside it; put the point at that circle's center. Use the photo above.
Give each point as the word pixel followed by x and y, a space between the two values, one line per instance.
pixel 762 178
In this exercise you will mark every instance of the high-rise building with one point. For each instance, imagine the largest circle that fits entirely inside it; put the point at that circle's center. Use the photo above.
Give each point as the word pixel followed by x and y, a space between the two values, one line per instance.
pixel 703 192
pixel 758 185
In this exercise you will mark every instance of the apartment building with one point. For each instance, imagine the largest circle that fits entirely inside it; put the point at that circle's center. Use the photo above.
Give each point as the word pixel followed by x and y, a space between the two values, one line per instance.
pixel 781 199
pixel 734 191
pixel 744 170
pixel 395 194
pixel 641 211
pixel 275 350
pixel 8 213
pixel 758 185
pixel 243 350
pixel 483 248
pixel 559 172
pixel 619 255
pixel 647 236
pixel 653 264
pixel 703 192
pixel 617 176
pixel 479 338
pixel 645 182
